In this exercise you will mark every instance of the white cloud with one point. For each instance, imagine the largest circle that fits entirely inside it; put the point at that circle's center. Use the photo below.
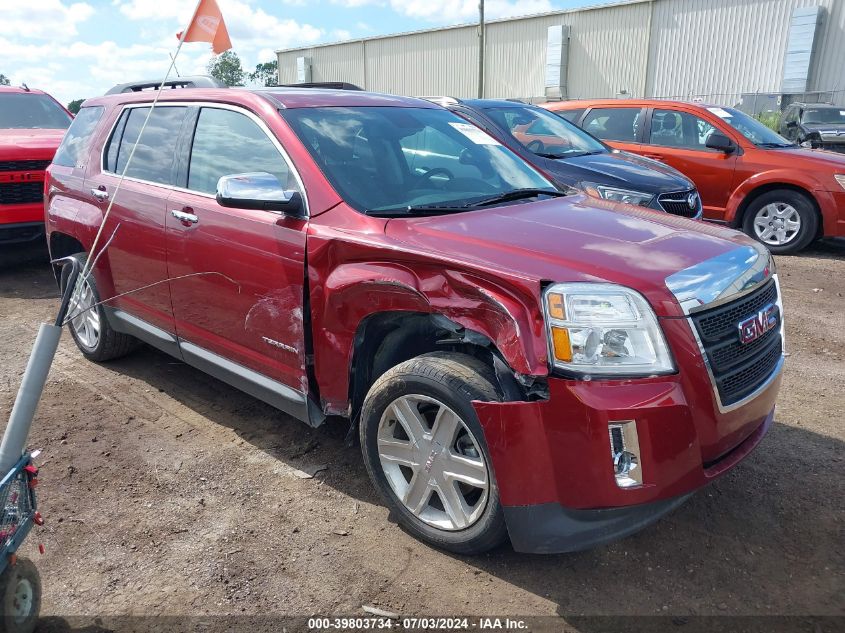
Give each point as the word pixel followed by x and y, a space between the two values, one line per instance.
pixel 250 28
pixel 455 11
pixel 42 19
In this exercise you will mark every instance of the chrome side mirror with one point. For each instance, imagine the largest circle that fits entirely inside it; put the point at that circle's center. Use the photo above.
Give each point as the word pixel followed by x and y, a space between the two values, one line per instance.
pixel 258 190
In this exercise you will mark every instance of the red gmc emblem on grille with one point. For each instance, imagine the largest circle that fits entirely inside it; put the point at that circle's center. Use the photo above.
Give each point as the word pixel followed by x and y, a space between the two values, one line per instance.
pixel 756 326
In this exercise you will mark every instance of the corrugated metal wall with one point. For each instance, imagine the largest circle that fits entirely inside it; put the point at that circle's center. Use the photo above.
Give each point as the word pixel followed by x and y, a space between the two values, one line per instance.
pixel 717 49
pixel 722 48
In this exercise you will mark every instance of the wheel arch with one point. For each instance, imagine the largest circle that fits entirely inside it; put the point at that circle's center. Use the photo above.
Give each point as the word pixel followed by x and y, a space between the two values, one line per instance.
pixel 384 340
pixel 761 189
pixel 355 305
pixel 62 245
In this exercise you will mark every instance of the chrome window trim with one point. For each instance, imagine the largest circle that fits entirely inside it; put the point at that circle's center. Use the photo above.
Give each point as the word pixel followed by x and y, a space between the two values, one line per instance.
pixel 203 104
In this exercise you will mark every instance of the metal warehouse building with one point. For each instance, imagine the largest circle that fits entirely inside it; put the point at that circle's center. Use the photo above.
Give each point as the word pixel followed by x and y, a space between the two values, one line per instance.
pixel 723 51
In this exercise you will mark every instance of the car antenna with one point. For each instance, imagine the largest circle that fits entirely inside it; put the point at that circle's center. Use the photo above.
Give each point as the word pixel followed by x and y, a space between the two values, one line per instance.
pixel 25 87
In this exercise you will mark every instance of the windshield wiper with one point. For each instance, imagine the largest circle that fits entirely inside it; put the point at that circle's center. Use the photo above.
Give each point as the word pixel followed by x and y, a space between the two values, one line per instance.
pixel 516 194
pixel 421 209
pixel 573 155
pixel 776 145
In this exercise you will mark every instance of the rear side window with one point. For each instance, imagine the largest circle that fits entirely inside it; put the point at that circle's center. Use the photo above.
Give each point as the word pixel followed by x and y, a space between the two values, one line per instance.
pixel 614 124
pixel 154 158
pixel 570 115
pixel 228 142
pixel 74 148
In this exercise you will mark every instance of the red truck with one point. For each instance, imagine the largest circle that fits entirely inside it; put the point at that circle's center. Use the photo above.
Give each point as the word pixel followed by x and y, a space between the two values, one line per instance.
pixel 516 361
pixel 32 124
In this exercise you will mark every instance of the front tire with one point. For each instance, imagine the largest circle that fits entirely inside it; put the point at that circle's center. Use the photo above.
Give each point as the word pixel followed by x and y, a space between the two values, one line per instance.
pixel 784 220
pixel 20 596
pixel 425 452
pixel 88 324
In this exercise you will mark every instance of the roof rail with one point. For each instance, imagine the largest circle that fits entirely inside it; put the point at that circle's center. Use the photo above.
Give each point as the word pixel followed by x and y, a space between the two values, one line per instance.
pixel 442 101
pixel 329 85
pixel 197 81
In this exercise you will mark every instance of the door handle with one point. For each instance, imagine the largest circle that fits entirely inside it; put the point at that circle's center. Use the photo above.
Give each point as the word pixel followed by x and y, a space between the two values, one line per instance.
pixel 185 218
pixel 100 194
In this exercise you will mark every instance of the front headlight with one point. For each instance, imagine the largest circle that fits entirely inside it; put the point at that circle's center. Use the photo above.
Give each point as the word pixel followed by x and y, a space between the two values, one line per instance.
pixel 840 178
pixel 604 329
pixel 615 194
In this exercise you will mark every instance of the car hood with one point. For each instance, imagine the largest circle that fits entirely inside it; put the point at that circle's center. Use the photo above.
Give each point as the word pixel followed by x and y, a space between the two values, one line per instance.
pixel 18 144
pixel 619 169
pixel 574 239
pixel 814 159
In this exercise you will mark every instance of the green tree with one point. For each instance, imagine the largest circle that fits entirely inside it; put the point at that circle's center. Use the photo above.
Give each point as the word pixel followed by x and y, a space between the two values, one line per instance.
pixel 73 106
pixel 267 74
pixel 4 80
pixel 227 68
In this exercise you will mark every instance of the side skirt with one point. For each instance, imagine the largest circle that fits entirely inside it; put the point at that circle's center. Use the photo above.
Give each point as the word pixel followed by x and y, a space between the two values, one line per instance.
pixel 274 393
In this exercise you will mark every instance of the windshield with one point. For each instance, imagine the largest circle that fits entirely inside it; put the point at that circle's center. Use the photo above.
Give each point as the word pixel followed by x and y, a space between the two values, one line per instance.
pixel 26 111
pixel 386 158
pixel 824 115
pixel 544 133
pixel 751 128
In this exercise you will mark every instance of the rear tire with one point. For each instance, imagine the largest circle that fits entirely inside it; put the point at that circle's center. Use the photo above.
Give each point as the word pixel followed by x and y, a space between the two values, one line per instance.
pixel 20 597
pixel 425 452
pixel 90 328
pixel 785 221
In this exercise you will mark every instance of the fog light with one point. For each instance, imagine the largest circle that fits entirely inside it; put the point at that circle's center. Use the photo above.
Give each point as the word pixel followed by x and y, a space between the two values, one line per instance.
pixel 625 453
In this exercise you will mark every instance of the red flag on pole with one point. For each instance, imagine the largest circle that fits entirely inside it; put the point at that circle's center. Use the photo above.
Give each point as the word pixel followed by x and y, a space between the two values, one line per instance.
pixel 208 26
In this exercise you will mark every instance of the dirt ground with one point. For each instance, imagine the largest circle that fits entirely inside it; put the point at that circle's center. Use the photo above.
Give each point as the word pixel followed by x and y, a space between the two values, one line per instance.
pixel 167 492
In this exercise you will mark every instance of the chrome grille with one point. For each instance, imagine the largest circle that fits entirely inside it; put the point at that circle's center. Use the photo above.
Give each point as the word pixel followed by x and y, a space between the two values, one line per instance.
pixel 676 203
pixel 739 369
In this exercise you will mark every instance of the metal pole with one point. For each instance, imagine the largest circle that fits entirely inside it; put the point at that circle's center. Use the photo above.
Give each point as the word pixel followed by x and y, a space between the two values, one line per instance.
pixel 480 49
pixel 34 379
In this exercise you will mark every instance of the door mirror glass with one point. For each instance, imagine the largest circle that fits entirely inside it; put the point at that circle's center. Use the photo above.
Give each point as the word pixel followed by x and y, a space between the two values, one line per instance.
pixel 720 142
pixel 792 124
pixel 258 190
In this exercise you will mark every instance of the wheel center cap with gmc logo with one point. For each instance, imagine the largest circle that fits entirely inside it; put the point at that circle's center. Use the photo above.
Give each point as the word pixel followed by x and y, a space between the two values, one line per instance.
pixel 755 326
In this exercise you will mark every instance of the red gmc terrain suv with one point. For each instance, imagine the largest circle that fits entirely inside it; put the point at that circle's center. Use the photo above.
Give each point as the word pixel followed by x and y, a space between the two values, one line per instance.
pixel 559 370
pixel 32 124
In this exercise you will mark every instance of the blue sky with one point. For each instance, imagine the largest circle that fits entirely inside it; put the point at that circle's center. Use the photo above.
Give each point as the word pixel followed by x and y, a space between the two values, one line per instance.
pixel 79 48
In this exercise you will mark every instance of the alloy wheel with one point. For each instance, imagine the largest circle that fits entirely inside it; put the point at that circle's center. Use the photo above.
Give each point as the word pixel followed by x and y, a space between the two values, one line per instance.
pixel 777 223
pixel 86 317
pixel 433 462
pixel 22 601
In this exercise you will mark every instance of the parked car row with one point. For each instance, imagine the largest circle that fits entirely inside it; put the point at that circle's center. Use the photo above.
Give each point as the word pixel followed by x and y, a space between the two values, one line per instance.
pixel 518 361
pixel 748 176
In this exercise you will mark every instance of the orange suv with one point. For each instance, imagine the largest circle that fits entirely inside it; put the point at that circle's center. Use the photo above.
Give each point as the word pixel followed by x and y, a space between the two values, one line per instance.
pixel 747 175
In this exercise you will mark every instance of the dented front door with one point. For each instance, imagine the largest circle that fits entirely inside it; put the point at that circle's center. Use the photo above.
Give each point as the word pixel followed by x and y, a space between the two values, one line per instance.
pixel 237 275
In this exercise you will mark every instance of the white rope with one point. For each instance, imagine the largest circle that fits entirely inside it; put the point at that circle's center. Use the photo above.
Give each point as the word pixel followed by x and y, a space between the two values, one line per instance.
pixel 87 269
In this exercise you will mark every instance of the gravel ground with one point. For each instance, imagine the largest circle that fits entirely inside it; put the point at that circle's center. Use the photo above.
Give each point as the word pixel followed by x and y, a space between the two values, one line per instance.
pixel 167 492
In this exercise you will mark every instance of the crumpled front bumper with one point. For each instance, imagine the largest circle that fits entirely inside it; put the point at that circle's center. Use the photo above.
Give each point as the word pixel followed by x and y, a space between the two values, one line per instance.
pixel 553 465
